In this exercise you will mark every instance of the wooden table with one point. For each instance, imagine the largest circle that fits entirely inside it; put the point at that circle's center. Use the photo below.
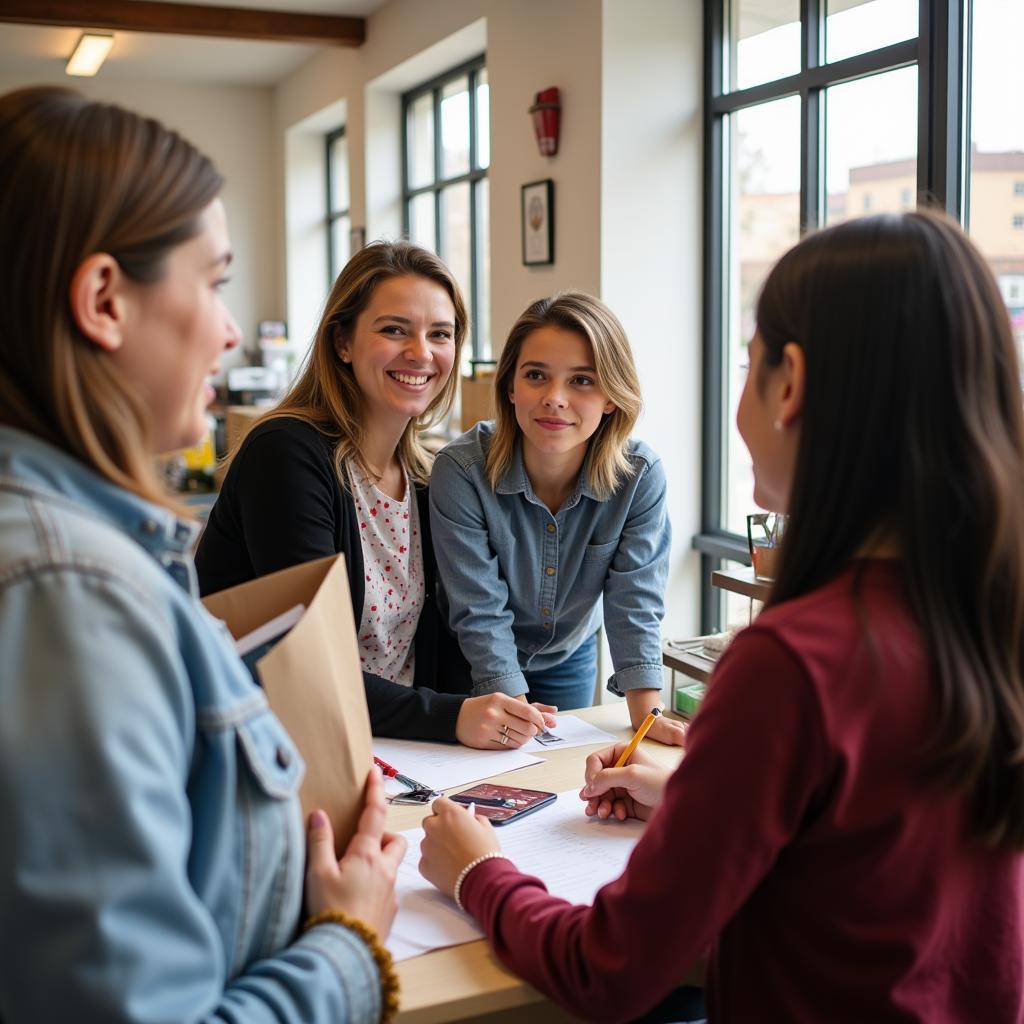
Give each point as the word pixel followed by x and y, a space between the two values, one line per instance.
pixel 466 982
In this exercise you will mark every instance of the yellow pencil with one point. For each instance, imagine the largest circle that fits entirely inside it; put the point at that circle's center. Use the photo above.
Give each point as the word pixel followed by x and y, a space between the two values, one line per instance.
pixel 640 734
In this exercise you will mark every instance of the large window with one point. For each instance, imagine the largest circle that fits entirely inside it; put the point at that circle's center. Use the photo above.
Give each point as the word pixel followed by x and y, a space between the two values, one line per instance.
pixel 447 150
pixel 996 166
pixel 821 110
pixel 339 223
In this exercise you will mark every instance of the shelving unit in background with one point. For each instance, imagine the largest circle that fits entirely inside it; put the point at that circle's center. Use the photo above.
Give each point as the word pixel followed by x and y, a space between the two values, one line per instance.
pixel 687 659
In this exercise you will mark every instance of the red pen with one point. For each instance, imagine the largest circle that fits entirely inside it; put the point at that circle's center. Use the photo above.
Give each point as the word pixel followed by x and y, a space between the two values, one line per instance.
pixel 388 771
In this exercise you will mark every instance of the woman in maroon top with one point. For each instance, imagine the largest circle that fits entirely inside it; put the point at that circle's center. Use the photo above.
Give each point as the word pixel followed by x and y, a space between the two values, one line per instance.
pixel 844 833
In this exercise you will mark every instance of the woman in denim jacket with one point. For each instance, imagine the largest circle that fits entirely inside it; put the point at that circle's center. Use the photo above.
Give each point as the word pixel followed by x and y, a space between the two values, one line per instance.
pixel 551 515
pixel 152 860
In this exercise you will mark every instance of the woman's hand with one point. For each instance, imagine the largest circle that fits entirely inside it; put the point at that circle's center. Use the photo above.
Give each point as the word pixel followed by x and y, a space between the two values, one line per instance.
pixel 498 720
pixel 664 730
pixel 452 839
pixel 362 883
pixel 630 792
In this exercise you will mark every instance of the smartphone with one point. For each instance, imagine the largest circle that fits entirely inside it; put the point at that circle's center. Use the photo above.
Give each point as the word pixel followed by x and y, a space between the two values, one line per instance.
pixel 503 804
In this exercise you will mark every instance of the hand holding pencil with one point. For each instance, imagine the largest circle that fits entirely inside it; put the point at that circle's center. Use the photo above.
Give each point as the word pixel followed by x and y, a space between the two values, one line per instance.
pixel 622 781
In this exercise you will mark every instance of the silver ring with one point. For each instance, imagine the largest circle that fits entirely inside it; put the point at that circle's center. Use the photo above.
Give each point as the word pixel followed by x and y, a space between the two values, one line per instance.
pixel 504 739
pixel 504 729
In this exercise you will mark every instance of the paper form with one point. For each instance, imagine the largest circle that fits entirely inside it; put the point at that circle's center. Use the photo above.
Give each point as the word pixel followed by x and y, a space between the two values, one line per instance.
pixel 444 765
pixel 569 732
pixel 572 854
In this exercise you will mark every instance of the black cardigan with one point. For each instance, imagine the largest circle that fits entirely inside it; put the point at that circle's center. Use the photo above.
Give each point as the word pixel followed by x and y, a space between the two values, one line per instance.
pixel 282 504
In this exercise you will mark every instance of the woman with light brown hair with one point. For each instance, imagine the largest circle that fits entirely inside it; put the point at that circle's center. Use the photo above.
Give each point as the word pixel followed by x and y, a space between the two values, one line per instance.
pixel 551 520
pixel 153 864
pixel 340 466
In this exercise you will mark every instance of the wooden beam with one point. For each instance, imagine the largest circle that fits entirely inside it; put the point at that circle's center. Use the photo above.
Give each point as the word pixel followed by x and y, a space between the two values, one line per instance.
pixel 187 20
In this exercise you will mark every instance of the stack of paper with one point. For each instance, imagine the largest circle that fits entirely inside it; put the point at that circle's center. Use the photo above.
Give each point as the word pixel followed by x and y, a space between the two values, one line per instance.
pixel 572 854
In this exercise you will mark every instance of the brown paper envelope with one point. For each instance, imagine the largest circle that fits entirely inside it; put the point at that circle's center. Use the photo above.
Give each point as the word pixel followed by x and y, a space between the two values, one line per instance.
pixel 313 681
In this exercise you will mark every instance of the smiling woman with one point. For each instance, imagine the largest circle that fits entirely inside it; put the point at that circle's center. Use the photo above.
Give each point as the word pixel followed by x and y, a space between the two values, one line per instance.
pixel 339 466
pixel 551 519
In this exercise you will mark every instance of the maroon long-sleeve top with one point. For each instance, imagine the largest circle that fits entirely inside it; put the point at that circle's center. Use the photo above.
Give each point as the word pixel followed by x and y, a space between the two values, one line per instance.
pixel 798 841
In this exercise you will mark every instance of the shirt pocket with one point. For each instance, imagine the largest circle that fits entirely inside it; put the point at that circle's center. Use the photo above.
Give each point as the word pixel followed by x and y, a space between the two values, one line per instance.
pixel 600 552
pixel 271 849
pixel 594 568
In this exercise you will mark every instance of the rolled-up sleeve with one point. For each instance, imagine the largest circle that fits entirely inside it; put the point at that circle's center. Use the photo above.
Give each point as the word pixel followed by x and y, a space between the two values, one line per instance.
pixel 634 590
pixel 475 591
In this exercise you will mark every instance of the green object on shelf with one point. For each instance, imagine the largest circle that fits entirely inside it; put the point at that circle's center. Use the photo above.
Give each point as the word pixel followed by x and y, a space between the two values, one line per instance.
pixel 688 698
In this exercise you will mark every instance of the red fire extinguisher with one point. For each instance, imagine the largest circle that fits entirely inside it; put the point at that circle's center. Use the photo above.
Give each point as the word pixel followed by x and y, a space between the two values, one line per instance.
pixel 546 111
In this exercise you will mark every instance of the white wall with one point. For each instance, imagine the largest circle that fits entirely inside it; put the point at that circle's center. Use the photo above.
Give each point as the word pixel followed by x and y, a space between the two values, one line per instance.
pixel 651 146
pixel 233 125
pixel 409 41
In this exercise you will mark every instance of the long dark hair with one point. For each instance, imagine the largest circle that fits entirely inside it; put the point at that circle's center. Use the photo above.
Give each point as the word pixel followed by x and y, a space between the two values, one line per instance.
pixel 80 178
pixel 912 374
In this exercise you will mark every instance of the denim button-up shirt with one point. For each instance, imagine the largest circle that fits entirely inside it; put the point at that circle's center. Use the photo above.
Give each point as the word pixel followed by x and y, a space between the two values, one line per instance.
pixel 523 587
pixel 152 850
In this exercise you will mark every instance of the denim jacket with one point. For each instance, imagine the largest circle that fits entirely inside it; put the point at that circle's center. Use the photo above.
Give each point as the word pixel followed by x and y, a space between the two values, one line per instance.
pixel 523 588
pixel 152 851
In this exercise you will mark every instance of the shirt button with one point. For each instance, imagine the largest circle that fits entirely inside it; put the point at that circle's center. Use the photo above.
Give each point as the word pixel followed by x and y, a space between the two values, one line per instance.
pixel 545 611
pixel 551 527
pixel 284 757
pixel 547 625
pixel 150 526
pixel 549 571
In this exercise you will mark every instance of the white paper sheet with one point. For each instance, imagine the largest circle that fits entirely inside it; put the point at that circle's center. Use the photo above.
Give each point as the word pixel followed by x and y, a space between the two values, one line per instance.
pixel 571 732
pixel 444 765
pixel 574 856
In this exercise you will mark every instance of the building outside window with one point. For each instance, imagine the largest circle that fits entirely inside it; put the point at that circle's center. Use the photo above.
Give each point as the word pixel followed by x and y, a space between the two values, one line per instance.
pixel 339 223
pixel 446 155
pixel 817 110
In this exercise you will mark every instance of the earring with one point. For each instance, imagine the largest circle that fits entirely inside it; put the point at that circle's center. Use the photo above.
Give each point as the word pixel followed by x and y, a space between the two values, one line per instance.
pixel 778 426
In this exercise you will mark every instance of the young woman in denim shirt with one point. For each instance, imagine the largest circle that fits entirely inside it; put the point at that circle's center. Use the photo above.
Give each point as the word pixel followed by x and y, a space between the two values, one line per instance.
pixel 153 866
pixel 551 514
pixel 339 465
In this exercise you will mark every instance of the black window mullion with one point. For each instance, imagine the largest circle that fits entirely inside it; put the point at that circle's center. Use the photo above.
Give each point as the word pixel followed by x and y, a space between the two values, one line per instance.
pixel 333 214
pixel 941 132
pixel 474 285
pixel 437 171
pixel 811 34
pixel 714 299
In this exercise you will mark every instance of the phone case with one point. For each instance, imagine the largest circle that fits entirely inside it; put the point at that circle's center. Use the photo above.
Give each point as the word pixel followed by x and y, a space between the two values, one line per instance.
pixel 502 804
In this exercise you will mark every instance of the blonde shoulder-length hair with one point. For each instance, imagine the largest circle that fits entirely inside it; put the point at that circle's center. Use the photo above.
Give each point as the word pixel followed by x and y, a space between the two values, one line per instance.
pixel 326 394
pixel 589 317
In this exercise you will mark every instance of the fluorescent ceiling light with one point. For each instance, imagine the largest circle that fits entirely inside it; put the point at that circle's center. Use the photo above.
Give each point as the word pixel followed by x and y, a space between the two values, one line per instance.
pixel 89 55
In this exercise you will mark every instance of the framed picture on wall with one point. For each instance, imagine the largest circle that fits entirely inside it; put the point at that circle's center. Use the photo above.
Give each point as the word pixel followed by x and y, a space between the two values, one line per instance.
pixel 538 216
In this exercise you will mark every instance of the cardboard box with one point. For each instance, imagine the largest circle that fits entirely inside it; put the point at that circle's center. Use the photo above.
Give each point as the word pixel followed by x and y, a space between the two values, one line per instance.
pixel 312 680
pixel 477 398
pixel 238 421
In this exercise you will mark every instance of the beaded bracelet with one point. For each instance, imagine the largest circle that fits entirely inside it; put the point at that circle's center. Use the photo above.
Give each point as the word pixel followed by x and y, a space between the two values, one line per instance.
pixel 385 965
pixel 457 893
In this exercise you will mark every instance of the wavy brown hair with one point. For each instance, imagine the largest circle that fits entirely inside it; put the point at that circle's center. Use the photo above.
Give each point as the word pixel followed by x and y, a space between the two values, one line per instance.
pixel 912 373
pixel 616 375
pixel 326 393
pixel 81 178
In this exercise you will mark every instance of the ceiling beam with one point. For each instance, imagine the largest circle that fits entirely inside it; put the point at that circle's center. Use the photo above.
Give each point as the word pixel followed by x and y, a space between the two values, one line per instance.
pixel 187 20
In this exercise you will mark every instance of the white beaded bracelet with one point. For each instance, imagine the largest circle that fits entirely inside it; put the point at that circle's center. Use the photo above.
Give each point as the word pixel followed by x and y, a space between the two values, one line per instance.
pixel 464 873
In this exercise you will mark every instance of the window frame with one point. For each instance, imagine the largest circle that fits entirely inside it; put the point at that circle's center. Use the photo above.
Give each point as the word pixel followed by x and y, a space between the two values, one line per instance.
pixel 435 87
pixel 941 53
pixel 333 214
